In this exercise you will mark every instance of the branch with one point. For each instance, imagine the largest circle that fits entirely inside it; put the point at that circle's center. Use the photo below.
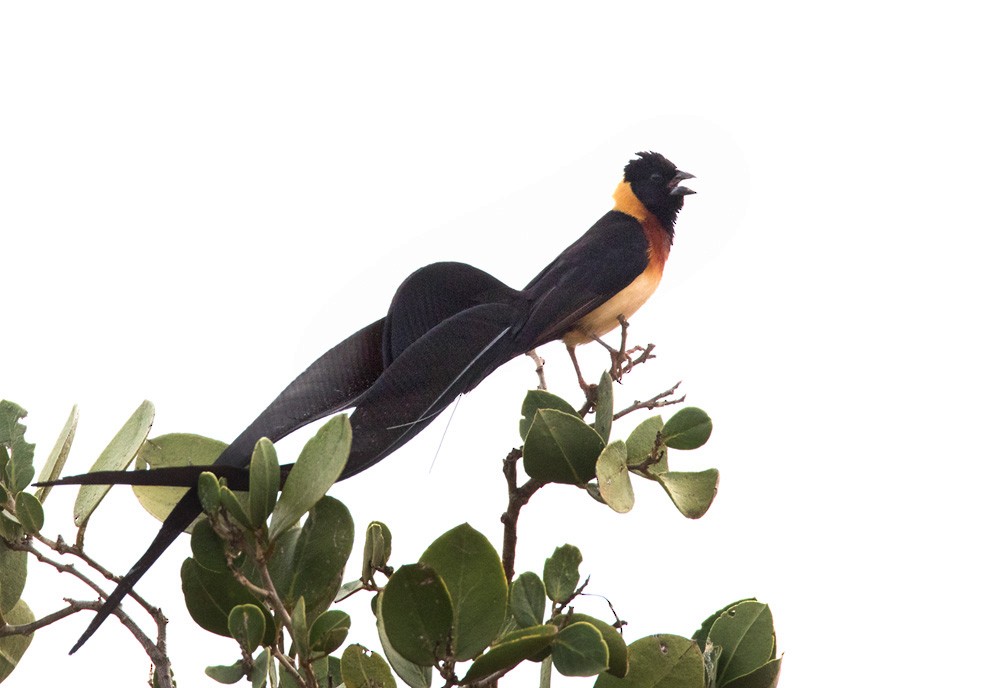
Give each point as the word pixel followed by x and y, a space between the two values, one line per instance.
pixel 517 497
pixel 156 651
pixel 658 401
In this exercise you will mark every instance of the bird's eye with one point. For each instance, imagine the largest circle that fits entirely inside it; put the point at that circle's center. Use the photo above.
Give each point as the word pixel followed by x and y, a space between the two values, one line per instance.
pixel 656 177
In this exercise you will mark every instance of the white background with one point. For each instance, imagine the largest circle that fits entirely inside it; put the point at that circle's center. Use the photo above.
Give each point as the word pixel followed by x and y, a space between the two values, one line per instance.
pixel 197 199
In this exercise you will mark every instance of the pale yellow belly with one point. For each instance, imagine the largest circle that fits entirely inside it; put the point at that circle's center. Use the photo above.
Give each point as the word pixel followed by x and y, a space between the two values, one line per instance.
pixel 604 318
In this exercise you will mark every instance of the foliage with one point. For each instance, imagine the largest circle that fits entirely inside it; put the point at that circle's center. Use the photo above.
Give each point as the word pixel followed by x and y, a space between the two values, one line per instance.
pixel 262 576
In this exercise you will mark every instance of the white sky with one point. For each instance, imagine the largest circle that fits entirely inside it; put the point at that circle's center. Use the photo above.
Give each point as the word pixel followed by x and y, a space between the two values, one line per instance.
pixel 197 199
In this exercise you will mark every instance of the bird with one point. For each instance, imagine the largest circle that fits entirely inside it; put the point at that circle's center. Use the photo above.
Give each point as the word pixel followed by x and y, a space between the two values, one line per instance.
pixel 448 326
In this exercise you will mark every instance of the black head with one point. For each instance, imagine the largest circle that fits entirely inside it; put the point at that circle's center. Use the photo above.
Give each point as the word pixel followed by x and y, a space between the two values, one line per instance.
pixel 656 182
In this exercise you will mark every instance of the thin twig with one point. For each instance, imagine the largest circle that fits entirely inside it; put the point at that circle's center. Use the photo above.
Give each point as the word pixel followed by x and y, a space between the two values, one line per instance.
pixel 658 401
pixel 539 368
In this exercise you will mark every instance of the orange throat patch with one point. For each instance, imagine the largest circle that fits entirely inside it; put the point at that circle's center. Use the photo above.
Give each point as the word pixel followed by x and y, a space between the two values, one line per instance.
pixel 604 318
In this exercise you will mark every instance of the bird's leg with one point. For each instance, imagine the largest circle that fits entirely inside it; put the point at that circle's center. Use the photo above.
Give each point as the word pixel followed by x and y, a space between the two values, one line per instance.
pixel 621 358
pixel 589 390
pixel 539 368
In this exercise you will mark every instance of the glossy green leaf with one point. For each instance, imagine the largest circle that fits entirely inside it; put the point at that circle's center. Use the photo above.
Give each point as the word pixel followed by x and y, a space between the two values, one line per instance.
pixel 413 675
pixel 689 428
pixel 378 548
pixel 234 507
pixel 211 595
pixel 527 599
pixel 262 669
pixel 642 439
pixel 226 673
pixel 692 493
pixel 561 574
pixel 329 631
pixel 605 410
pixel 319 465
pixel 701 635
pixel 361 668
pixel 617 650
pixel 246 625
pixel 265 481
pixel 540 399
pixel 169 451
pixel 57 457
pixel 300 628
pixel 417 612
pixel 320 555
pixel 745 632
pixel 561 448
pixel 579 650
pixel 473 574
pixel 13 574
pixel 207 547
pixel 511 650
pixel 115 457
pixel 29 512
pixel 17 467
pixel 280 563
pixel 13 647
pixel 613 480
pixel 660 661
pixel 763 677
pixel 209 492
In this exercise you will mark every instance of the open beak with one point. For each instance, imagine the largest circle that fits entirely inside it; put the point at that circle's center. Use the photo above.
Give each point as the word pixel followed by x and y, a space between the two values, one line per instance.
pixel 675 188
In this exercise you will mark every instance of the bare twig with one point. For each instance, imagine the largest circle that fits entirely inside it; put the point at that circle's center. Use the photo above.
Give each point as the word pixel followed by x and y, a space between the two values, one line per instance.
pixel 658 401
pixel 539 368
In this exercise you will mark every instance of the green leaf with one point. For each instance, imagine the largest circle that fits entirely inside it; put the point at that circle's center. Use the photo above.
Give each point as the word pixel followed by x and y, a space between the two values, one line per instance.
pixel 211 595
pixel 561 448
pixel 261 669
pixel 562 573
pixel 378 548
pixel 613 480
pixel 246 625
pixel 209 492
pixel 745 632
pixel 417 612
pixel 605 409
pixel 413 675
pixel 319 465
pixel 641 440
pixel 580 650
pixel 527 599
pixel 329 631
pixel 265 480
pixel 320 555
pixel 115 457
pixel 540 399
pixel 689 428
pixel 226 673
pixel 660 661
pixel 701 635
pixel 692 493
pixel 300 628
pixel 207 547
pixel 13 574
pixel 57 457
pixel 617 650
pixel 13 647
pixel 511 650
pixel 763 677
pixel 361 668
pixel 234 507
pixel 473 574
pixel 17 464
pixel 169 451
pixel 29 512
